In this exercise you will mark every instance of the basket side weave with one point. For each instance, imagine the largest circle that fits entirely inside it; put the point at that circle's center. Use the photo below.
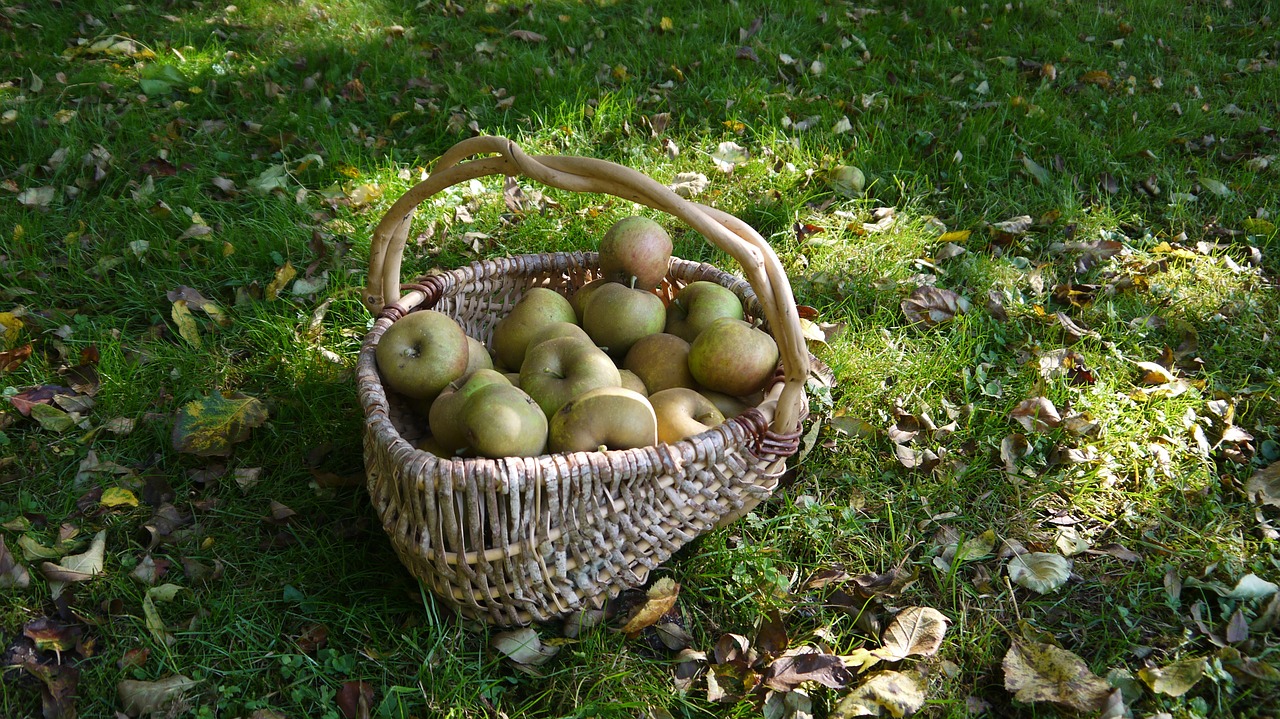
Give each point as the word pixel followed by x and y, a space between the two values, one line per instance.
pixel 515 540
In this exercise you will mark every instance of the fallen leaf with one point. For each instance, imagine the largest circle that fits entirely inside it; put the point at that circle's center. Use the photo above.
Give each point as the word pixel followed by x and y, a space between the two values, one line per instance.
pixel 58 690
pixel 527 36
pixel 689 184
pixel 1041 572
pixel 186 322
pixel 1153 373
pixel 1036 414
pixel 1038 173
pixel 914 631
pixel 1264 486
pixel 524 647
pixel 138 698
pixel 12 574
pixel 118 497
pixel 281 280
pixel 806 664
pixel 955 236
pixel 211 425
pixel 76 567
pixel 1251 586
pixel 37 197
pixel 1101 78
pixel 894 694
pixel 1037 672
pixel 355 699
pixel 1175 679
pixel 11 360
pixel 151 615
pixel 931 306
pixel 729 155
pixel 661 597
pixel 1016 225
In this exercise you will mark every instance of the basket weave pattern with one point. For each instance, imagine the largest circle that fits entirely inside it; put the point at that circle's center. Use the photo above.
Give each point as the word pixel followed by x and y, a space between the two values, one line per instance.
pixel 523 539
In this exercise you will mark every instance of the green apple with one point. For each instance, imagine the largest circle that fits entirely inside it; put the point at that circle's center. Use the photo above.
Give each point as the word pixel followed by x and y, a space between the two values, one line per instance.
pixel 682 413
pixel 477 356
pixel 732 357
pixel 697 305
pixel 538 308
pixel 552 331
pixel 660 361
pixel 604 418
pixel 632 381
pixel 503 421
pixel 560 369
pixel 445 414
pixel 579 298
pixel 731 406
pixel 636 251
pixel 421 353
pixel 616 316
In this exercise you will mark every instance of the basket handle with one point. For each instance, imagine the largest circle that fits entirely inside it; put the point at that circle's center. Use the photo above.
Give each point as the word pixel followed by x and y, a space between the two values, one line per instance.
pixel 580 174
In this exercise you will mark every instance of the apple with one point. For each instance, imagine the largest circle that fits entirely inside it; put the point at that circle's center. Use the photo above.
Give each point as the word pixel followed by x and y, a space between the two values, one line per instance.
pixel 632 381
pixel 604 418
pixel 697 305
pixel 616 316
pixel 445 415
pixel 579 298
pixel 503 421
pixel 660 361
pixel 731 406
pixel 636 251
pixel 560 369
pixel 538 308
pixel 477 356
pixel 421 353
pixel 682 413
pixel 732 357
pixel 552 331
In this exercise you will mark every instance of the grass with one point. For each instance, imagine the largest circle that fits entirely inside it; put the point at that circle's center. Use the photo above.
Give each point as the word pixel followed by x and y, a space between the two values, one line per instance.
pixel 1058 110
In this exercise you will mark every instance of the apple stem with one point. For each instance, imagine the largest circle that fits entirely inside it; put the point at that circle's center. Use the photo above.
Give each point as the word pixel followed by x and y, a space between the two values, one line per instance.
pixel 634 279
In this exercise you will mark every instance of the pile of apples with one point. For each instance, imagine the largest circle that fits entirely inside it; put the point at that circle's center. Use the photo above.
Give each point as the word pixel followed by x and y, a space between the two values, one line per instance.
pixel 612 367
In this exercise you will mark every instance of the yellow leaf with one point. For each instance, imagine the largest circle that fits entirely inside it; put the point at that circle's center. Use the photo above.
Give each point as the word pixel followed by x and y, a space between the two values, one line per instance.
pixel 186 323
pixel 18 232
pixel 1162 248
pixel 662 597
pixel 208 427
pixel 10 328
pixel 283 276
pixel 228 249
pixel 118 497
pixel 348 171
pixel 955 236
pixel 666 25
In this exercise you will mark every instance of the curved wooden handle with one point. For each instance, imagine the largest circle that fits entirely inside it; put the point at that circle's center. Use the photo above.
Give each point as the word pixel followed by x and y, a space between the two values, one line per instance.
pixel 580 174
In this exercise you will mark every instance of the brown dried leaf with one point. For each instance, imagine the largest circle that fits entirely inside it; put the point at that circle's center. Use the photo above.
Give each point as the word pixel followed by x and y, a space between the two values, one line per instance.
pixel 527 36
pixel 931 306
pixel 1264 486
pixel 806 664
pixel 1036 414
pixel 355 699
pixel 139 698
pixel 915 631
pixel 661 598
pixel 12 574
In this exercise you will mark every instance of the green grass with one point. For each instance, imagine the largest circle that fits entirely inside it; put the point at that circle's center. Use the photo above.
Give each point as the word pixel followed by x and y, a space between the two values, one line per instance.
pixel 943 105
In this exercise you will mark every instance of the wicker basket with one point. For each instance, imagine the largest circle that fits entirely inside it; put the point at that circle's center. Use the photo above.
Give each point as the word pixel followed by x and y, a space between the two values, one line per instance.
pixel 524 539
